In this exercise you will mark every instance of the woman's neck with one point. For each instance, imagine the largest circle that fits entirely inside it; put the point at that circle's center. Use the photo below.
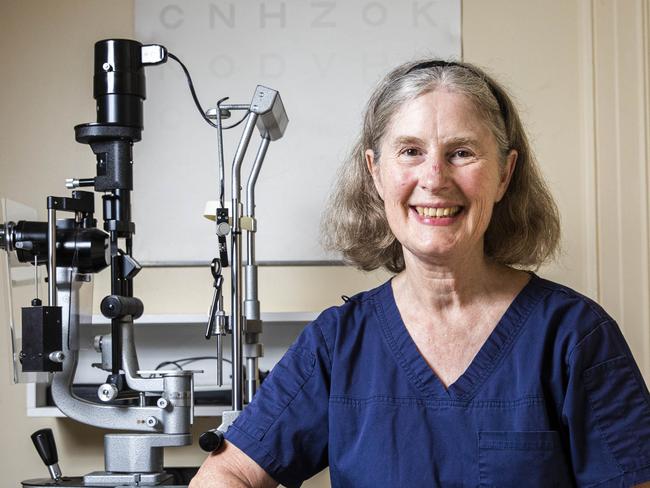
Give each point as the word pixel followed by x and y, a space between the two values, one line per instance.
pixel 444 286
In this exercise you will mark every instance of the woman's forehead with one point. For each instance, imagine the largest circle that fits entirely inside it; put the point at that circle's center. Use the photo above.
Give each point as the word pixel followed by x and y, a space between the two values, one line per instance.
pixel 446 113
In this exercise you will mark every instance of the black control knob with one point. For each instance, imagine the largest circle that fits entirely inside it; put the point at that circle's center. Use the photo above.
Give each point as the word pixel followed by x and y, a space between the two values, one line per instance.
pixel 114 306
pixel 211 440
pixel 46 447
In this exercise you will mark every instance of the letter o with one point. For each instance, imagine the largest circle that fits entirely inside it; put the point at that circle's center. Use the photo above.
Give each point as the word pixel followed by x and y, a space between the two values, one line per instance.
pixel 222 66
pixel 374 13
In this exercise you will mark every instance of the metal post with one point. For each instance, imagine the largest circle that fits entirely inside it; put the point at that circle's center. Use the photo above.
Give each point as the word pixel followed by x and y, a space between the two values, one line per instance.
pixel 251 303
pixel 51 256
pixel 236 285
pixel 222 203
pixel 219 360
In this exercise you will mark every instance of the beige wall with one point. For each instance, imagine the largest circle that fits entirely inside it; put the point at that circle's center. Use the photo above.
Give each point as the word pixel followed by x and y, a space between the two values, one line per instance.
pixel 555 55
pixel 580 70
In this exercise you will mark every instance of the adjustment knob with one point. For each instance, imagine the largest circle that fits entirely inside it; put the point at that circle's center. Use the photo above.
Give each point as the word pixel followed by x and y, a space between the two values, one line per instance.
pixel 223 229
pixel 114 306
pixel 107 392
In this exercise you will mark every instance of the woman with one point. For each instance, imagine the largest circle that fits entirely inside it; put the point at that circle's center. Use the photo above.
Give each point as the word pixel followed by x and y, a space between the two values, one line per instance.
pixel 462 370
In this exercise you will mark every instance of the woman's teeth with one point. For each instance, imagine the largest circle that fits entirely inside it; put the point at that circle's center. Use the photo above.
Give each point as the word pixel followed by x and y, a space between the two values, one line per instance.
pixel 437 212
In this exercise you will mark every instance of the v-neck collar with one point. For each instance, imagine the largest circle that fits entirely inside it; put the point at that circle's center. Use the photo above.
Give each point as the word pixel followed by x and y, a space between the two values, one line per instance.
pixel 486 360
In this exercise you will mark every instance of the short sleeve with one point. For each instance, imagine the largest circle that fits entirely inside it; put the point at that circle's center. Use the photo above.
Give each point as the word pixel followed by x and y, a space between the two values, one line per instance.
pixel 607 412
pixel 285 428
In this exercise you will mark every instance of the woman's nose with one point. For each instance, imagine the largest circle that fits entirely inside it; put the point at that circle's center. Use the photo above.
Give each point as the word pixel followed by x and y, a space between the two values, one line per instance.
pixel 435 174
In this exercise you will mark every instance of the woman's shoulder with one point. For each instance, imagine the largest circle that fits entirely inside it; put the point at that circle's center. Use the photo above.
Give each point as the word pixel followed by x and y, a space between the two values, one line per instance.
pixel 354 313
pixel 557 297
pixel 574 319
pixel 360 303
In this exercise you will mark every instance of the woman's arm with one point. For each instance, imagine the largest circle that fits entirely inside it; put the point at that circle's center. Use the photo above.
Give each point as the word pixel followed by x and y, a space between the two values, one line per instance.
pixel 231 468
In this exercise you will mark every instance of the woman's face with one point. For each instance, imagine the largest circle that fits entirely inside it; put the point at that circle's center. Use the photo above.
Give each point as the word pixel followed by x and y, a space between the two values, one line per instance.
pixel 439 176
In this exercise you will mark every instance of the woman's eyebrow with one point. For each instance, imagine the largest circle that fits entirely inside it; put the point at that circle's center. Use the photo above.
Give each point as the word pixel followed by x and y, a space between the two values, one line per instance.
pixel 462 141
pixel 405 140
pixel 451 141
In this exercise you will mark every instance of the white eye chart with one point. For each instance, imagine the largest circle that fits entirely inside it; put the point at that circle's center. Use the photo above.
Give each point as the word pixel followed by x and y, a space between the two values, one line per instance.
pixel 324 57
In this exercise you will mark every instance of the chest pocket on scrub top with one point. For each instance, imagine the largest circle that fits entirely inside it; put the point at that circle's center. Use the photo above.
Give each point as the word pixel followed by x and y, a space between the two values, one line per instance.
pixel 517 459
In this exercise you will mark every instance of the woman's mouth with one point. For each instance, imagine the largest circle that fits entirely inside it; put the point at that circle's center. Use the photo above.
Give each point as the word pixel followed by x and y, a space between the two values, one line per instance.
pixel 438 212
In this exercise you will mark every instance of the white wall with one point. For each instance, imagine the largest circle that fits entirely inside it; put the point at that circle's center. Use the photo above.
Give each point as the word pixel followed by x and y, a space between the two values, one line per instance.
pixel 588 124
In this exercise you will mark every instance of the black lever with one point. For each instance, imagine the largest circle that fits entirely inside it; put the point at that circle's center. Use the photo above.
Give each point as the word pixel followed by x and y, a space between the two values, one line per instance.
pixel 215 268
pixel 46 447
pixel 211 440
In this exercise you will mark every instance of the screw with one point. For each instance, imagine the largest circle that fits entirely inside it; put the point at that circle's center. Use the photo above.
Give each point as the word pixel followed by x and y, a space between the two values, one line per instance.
pixel 107 67
pixel 151 421
pixel 56 357
pixel 107 392
pixel 162 403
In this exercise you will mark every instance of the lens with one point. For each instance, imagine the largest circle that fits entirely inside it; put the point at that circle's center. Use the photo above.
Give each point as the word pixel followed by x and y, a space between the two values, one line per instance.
pixel 7 236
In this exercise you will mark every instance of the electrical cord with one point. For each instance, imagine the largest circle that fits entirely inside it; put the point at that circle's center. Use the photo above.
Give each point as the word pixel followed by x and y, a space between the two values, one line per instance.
pixel 196 99
pixel 167 363
pixel 186 361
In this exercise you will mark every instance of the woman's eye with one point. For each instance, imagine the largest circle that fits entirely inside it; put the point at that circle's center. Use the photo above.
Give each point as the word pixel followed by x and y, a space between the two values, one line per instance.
pixel 461 155
pixel 411 152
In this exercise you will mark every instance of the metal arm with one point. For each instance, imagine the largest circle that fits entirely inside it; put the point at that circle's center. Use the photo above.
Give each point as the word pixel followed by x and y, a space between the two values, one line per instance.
pixel 253 348
pixel 141 419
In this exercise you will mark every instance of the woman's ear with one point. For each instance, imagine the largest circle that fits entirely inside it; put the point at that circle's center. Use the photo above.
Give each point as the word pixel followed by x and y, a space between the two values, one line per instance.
pixel 506 173
pixel 373 169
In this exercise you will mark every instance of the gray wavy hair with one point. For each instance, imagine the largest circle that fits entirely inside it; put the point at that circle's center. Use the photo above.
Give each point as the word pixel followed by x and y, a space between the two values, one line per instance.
pixel 525 227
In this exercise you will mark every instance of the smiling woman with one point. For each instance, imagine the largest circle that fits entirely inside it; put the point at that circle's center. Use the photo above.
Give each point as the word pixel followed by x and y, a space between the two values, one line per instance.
pixel 463 369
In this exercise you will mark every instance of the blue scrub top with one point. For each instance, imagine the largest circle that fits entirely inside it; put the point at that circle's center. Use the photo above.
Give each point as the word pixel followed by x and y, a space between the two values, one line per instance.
pixel 552 399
